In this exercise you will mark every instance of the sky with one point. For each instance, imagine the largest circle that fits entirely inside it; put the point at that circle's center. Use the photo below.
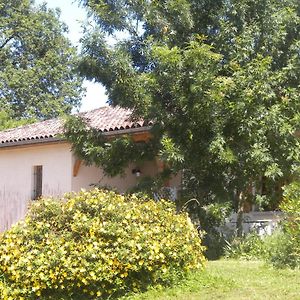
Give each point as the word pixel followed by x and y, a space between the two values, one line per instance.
pixel 72 15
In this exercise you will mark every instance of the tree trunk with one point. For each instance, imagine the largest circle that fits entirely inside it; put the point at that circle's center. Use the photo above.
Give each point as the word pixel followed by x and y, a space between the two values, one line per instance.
pixel 240 214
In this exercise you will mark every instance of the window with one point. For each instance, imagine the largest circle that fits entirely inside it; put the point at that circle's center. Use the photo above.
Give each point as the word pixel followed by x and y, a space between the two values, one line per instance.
pixel 37 182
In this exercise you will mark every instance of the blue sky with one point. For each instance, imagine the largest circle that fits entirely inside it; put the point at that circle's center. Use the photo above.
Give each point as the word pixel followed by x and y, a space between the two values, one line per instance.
pixel 72 15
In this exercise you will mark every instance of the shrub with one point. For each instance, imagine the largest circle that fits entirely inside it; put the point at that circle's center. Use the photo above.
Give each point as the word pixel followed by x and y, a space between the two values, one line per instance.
pixel 287 250
pixel 253 246
pixel 3 289
pixel 212 217
pixel 249 247
pixel 94 245
pixel 282 248
pixel 282 251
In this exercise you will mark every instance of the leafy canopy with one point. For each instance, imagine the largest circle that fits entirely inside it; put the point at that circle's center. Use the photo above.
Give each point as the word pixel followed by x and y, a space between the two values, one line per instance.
pixel 220 80
pixel 38 63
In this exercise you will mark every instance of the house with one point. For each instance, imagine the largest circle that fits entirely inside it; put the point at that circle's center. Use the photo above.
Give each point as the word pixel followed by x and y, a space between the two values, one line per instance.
pixel 35 160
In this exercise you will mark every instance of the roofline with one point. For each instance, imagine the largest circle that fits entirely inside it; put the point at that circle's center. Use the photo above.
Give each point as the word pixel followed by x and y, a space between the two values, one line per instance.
pixel 31 142
pixel 129 130
pixel 54 139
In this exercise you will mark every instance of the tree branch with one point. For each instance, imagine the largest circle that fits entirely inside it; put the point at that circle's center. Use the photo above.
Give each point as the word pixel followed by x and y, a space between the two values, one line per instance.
pixel 7 41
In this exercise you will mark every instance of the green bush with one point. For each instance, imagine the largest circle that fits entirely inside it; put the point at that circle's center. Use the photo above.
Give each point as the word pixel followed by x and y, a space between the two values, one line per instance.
pixel 282 251
pixel 211 217
pixel 94 245
pixel 287 250
pixel 282 248
pixel 249 247
pixel 255 247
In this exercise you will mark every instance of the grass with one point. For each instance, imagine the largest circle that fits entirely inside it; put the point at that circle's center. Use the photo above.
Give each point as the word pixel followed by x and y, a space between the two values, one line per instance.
pixel 232 279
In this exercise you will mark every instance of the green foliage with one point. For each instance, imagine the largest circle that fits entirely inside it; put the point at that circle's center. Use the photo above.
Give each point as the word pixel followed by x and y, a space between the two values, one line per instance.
pixel 94 245
pixel 113 155
pixel 287 252
pixel 250 247
pixel 277 249
pixel 208 214
pixel 282 248
pixel 283 251
pixel 38 65
pixel 147 186
pixel 220 80
pixel 216 213
pixel 291 195
pixel 8 122
pixel 211 217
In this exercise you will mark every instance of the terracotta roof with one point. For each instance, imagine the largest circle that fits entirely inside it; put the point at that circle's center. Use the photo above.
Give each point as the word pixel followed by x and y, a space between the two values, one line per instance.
pixel 106 119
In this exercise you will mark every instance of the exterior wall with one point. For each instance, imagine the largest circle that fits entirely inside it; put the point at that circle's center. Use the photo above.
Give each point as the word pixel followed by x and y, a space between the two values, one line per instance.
pixel 260 222
pixel 89 175
pixel 16 177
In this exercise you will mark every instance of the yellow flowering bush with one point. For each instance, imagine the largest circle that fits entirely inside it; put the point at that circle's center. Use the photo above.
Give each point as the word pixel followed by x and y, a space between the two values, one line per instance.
pixel 95 245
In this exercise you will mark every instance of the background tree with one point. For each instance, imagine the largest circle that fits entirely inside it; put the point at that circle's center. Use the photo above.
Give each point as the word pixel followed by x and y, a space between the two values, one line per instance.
pixel 6 121
pixel 38 63
pixel 220 80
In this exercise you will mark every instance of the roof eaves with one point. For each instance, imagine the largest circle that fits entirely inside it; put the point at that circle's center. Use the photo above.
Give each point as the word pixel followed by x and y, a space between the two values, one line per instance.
pixel 25 142
pixel 52 139
pixel 127 130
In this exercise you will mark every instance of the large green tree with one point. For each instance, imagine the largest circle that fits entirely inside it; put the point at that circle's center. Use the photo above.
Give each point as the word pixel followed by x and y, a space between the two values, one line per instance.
pixel 219 78
pixel 38 64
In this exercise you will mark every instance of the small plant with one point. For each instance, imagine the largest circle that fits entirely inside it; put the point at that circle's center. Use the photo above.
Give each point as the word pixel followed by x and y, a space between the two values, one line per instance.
pixel 95 245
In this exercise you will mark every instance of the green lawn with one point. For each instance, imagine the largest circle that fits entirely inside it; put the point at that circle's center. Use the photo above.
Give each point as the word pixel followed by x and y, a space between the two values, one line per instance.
pixel 232 279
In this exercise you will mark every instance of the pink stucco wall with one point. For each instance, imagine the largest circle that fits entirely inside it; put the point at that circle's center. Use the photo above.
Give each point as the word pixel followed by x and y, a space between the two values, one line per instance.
pixel 88 175
pixel 16 177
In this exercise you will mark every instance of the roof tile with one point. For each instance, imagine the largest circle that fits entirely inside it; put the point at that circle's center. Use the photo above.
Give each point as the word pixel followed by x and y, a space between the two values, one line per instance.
pixel 105 119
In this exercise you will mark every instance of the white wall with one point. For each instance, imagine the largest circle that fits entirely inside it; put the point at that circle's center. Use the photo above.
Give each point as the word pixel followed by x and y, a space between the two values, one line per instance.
pixel 260 222
pixel 16 177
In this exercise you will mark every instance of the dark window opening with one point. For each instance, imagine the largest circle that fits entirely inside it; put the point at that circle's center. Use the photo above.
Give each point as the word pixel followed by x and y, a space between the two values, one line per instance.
pixel 37 182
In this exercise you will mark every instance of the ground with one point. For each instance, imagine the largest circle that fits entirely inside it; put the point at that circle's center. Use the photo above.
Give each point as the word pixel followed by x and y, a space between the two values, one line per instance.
pixel 232 279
